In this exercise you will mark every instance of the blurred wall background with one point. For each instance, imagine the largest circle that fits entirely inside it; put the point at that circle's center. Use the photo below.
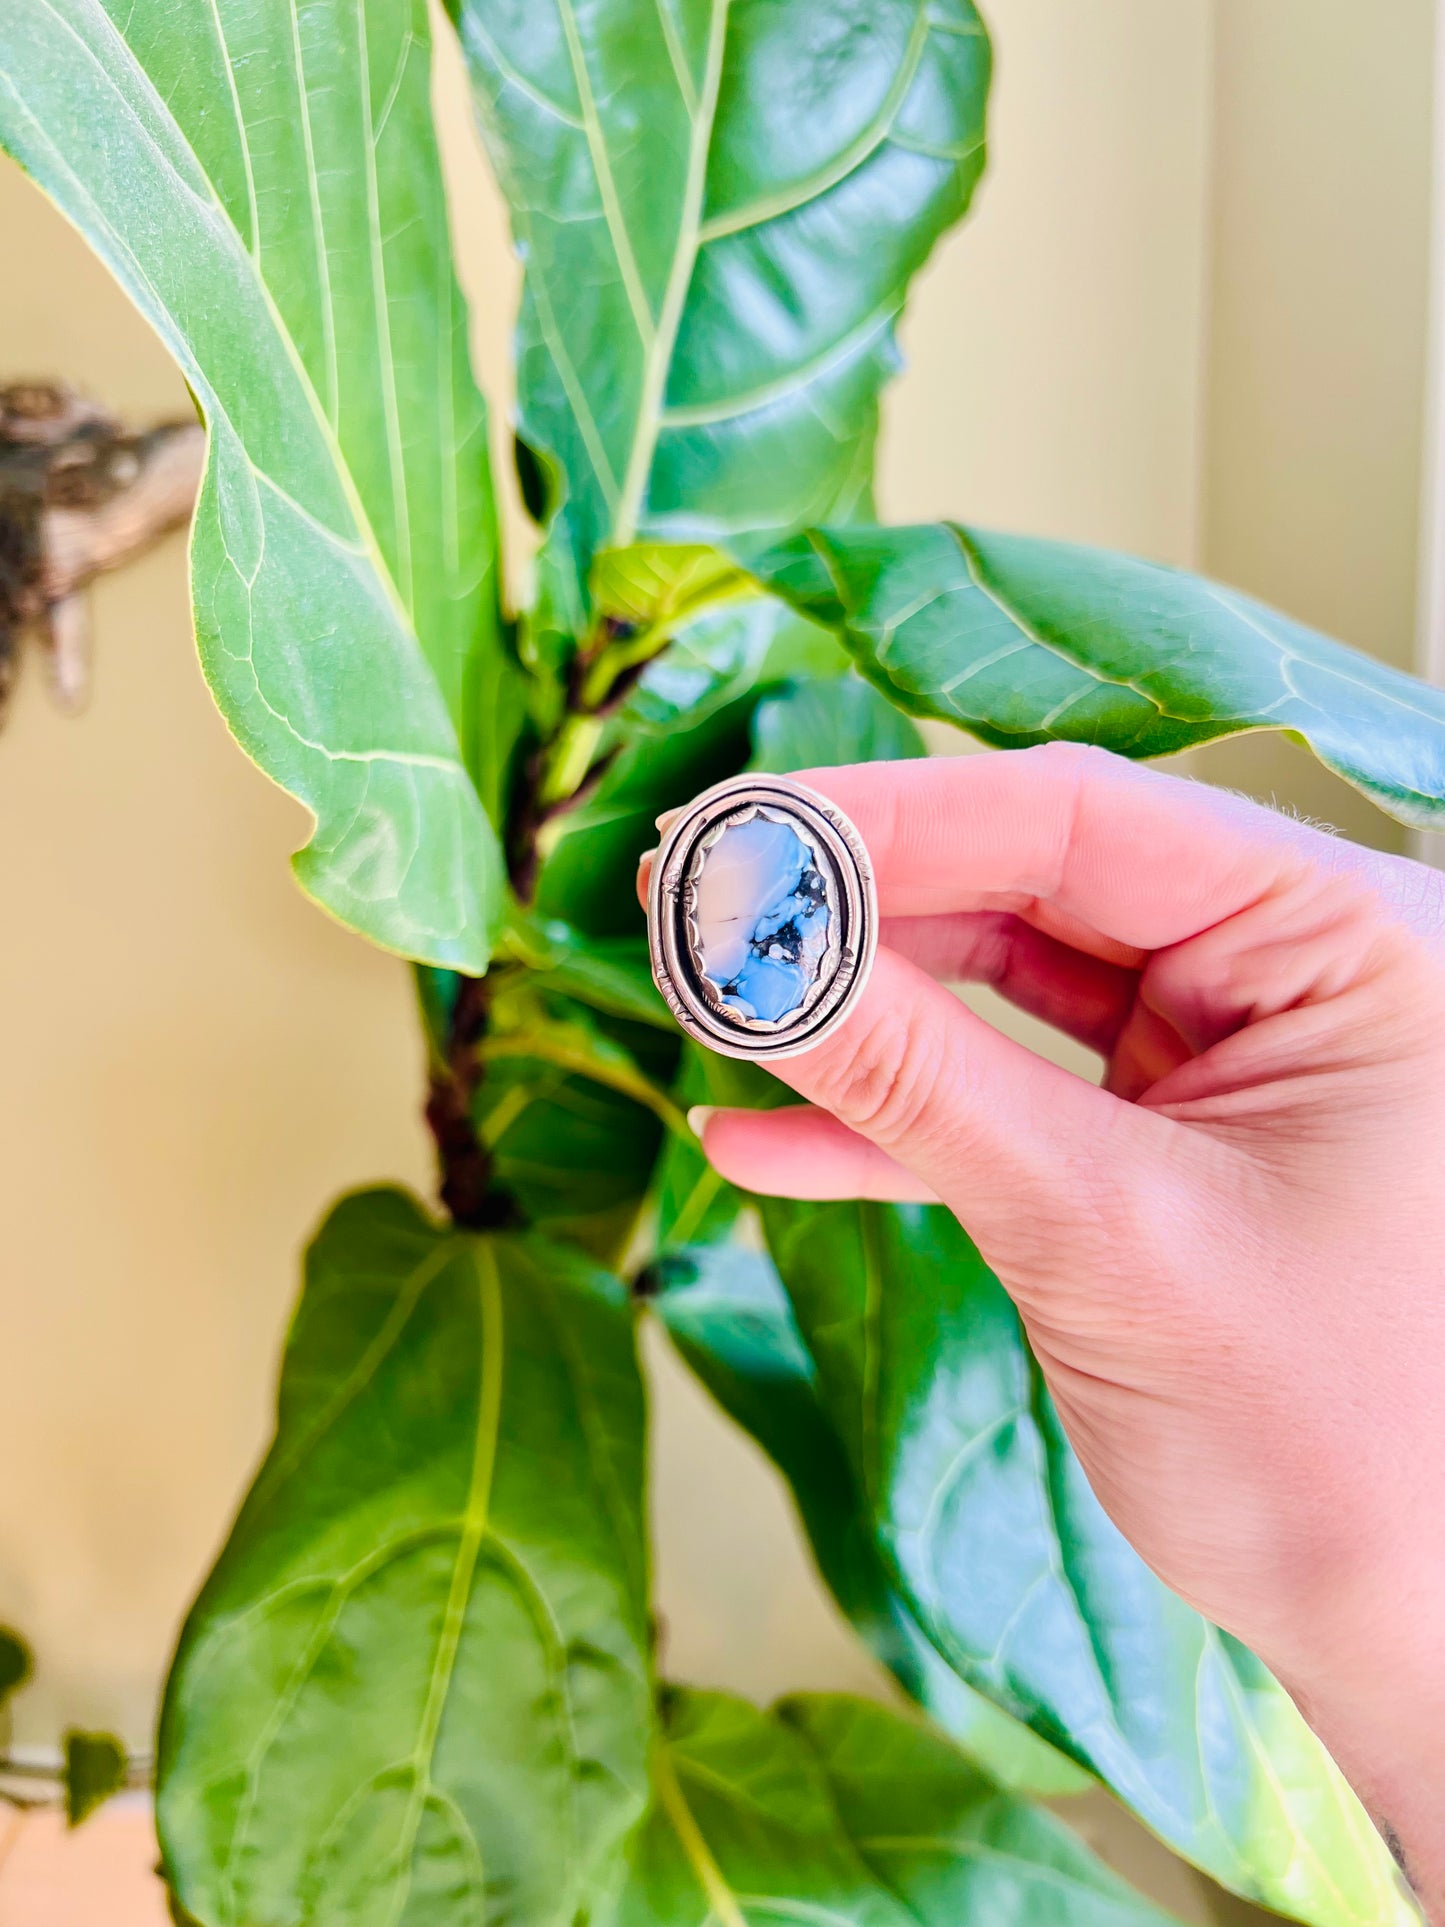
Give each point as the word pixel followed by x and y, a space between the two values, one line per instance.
pixel 1189 318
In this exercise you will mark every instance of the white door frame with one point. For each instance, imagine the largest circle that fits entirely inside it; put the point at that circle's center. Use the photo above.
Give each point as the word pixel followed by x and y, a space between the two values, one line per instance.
pixel 1430 655
pixel 1430 623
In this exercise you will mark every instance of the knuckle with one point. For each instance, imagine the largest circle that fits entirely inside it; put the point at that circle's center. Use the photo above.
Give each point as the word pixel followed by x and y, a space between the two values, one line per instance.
pixel 885 1085
pixel 1071 756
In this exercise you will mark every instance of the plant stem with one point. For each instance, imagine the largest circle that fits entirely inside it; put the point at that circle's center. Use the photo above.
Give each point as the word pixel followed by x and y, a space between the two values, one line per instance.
pixel 565 769
pixel 466 1165
pixel 559 774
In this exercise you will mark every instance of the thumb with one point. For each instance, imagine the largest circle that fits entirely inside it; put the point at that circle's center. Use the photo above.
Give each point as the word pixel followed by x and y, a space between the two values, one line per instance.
pixel 1010 1142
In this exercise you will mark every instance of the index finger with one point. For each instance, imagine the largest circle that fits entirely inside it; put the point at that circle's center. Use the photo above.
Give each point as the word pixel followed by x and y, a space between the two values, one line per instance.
pixel 1149 860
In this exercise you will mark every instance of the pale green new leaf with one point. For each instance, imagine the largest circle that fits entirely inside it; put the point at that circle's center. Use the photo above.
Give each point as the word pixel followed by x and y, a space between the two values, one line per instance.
pixel 416 1687
pixel 263 181
pixel 663 585
pixel 719 204
pixel 1025 641
pixel 832 1810
pixel 1014 1572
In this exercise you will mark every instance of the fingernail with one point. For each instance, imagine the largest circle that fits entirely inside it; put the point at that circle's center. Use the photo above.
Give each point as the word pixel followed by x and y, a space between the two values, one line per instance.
pixel 698 1116
pixel 668 816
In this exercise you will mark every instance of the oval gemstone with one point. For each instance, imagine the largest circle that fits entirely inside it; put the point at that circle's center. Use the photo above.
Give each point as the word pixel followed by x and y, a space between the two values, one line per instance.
pixel 762 913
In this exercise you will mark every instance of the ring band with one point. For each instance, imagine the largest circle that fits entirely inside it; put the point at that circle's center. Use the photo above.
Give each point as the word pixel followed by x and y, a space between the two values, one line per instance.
pixel 762 918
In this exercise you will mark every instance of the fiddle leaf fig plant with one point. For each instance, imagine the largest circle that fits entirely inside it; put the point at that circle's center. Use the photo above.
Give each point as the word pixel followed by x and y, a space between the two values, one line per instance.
pixel 422 1684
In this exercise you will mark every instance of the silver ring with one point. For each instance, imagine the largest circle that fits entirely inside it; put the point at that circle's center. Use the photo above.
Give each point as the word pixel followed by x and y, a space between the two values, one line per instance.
pixel 762 917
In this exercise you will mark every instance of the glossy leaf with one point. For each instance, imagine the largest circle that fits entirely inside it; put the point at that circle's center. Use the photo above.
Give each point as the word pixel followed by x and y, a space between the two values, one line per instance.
pixel 725 1310
pixel 719 208
pixel 264 184
pixel 1018 1578
pixel 571 1039
pixel 724 655
pixel 1024 641
pixel 696 1208
pixel 95 1770
pixel 658 585
pixel 687 724
pixel 695 717
pixel 567 1150
pixel 832 1809
pixel 812 725
pixel 416 1686
pixel 610 974
pixel 571 1107
pixel 695 1205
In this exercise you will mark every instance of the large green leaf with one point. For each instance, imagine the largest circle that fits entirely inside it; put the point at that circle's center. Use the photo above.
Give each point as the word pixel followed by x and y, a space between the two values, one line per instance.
pixel 833 1810
pixel 719 204
pixel 566 1148
pixel 263 182
pixel 725 1309
pixel 415 1689
pixel 1017 1576
pixel 1025 641
pixel 608 973
pixel 809 725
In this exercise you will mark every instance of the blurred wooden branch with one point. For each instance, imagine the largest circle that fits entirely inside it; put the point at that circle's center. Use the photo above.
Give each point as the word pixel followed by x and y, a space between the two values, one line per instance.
pixel 78 496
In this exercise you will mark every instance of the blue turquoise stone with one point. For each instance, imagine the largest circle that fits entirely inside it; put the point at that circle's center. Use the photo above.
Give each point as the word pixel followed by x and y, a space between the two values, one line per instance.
pixel 762 913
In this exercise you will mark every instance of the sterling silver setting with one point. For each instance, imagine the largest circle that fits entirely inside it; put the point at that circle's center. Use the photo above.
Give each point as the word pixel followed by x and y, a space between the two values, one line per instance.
pixel 837 881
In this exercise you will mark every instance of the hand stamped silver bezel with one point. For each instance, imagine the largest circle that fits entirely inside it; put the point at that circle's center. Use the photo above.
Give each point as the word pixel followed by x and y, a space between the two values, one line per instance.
pixel 674 937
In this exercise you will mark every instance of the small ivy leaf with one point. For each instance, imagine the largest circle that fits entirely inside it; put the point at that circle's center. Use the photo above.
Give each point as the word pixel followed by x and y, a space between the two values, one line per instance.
pixel 15 1664
pixel 95 1768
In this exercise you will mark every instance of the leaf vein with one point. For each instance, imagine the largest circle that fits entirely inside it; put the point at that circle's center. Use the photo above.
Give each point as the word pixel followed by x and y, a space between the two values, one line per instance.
pixel 772 207
pixel 313 190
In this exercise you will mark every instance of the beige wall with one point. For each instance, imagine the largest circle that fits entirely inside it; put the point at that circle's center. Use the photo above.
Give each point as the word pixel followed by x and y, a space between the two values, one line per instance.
pixel 1315 395
pixel 193 1061
pixel 1055 347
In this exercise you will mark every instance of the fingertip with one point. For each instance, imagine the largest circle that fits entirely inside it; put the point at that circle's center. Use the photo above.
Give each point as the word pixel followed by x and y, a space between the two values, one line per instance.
pixel 644 875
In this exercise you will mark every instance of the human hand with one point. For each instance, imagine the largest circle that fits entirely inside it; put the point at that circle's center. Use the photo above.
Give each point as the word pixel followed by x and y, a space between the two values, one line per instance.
pixel 1230 1260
